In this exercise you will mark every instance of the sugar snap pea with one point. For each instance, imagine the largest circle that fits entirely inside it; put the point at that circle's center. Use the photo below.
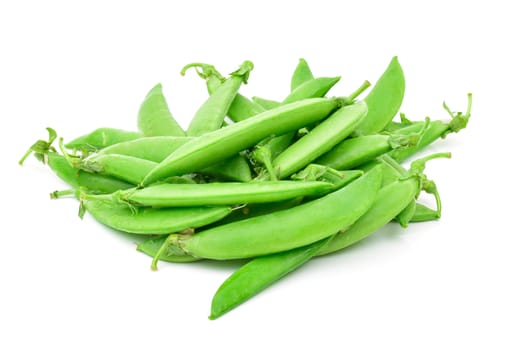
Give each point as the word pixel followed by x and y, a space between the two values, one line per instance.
pixel 126 168
pixel 151 220
pixel 154 117
pixel 225 142
pixel 317 87
pixel 210 116
pixel 286 229
pixel 384 99
pixel 155 148
pixel 265 103
pixel 320 140
pixel 257 275
pixel 301 74
pixel 100 138
pixel 176 195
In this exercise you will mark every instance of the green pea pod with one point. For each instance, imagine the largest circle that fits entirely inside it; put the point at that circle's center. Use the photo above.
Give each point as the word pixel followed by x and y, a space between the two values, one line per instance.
pixel 102 137
pixel 406 215
pixel 391 200
pixel 301 74
pixel 438 129
pixel 265 103
pixel 317 87
pixel 241 107
pixel 303 224
pixel 152 246
pixel 229 193
pixel 258 274
pixel 151 220
pixel 321 139
pixel 155 148
pixel 154 117
pixel 126 168
pixel 356 151
pixel 384 100
pixel 210 116
pixel 235 168
pixel 216 146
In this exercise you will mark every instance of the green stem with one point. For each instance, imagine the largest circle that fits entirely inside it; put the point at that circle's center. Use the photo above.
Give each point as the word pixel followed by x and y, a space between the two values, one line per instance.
pixel 159 253
pixel 366 84
pixel 206 71
pixel 63 193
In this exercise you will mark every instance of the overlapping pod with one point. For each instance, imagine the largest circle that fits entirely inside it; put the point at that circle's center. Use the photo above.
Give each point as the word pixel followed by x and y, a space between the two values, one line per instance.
pixel 286 229
pixel 218 145
pixel 102 137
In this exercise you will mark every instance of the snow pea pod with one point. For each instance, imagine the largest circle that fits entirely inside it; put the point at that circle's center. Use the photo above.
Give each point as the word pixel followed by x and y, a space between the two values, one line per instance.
pixel 176 195
pixel 210 116
pixel 265 103
pixel 321 139
pixel 286 229
pixel 126 168
pixel 154 117
pixel 257 275
pixel 218 145
pixel 155 148
pixel 151 220
pixel 317 87
pixel 301 74
pixel 100 138
pixel 384 100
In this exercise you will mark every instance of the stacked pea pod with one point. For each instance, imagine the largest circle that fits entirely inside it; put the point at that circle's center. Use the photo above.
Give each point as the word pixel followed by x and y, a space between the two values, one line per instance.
pixel 277 183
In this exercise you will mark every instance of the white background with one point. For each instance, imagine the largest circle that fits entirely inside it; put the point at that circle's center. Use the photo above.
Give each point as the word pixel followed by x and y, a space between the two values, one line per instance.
pixel 452 284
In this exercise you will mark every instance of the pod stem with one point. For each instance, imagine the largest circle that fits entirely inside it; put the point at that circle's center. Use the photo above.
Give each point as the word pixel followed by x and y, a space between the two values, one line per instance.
pixel 41 147
pixel 430 187
pixel 159 253
pixel 365 85
pixel 63 193
pixel 205 71
pixel 72 160
pixel 244 71
pixel 401 141
pixel 263 155
pixel 459 120
pixel 314 172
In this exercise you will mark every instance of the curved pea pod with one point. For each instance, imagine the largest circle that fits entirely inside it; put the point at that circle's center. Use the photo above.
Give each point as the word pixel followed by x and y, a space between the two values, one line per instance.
pixel 229 193
pixel 301 74
pixel 152 246
pixel 152 220
pixel 437 129
pixel 356 151
pixel 317 87
pixel 102 137
pixel 286 229
pixel 218 145
pixel 391 200
pixel 155 148
pixel 320 140
pixel 154 117
pixel 384 100
pixel 210 116
pixel 76 178
pixel 258 274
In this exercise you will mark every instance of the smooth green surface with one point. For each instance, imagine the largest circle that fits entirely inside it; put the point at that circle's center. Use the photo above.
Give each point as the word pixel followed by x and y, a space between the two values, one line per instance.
pixel 321 139
pixel 174 195
pixel 218 145
pixel 384 100
pixel 317 87
pixel 155 148
pixel 102 137
pixel 152 221
pixel 258 274
pixel 301 74
pixel 154 117
pixel 126 168
pixel 286 229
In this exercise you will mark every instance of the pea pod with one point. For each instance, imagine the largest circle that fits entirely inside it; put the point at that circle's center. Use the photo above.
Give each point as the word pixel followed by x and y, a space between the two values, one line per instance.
pixel 126 168
pixel 151 220
pixel 437 129
pixel 265 103
pixel 286 229
pixel 155 148
pixel 100 138
pixel 216 146
pixel 176 195
pixel 210 116
pixel 391 200
pixel 317 87
pixel 257 275
pixel 384 100
pixel 424 213
pixel 154 117
pixel 301 74
pixel 320 140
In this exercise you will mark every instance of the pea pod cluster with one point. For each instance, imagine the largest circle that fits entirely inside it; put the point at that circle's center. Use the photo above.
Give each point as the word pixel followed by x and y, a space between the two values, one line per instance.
pixel 275 182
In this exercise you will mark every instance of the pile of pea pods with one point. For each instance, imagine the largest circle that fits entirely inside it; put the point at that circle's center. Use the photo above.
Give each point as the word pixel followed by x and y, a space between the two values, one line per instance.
pixel 275 183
